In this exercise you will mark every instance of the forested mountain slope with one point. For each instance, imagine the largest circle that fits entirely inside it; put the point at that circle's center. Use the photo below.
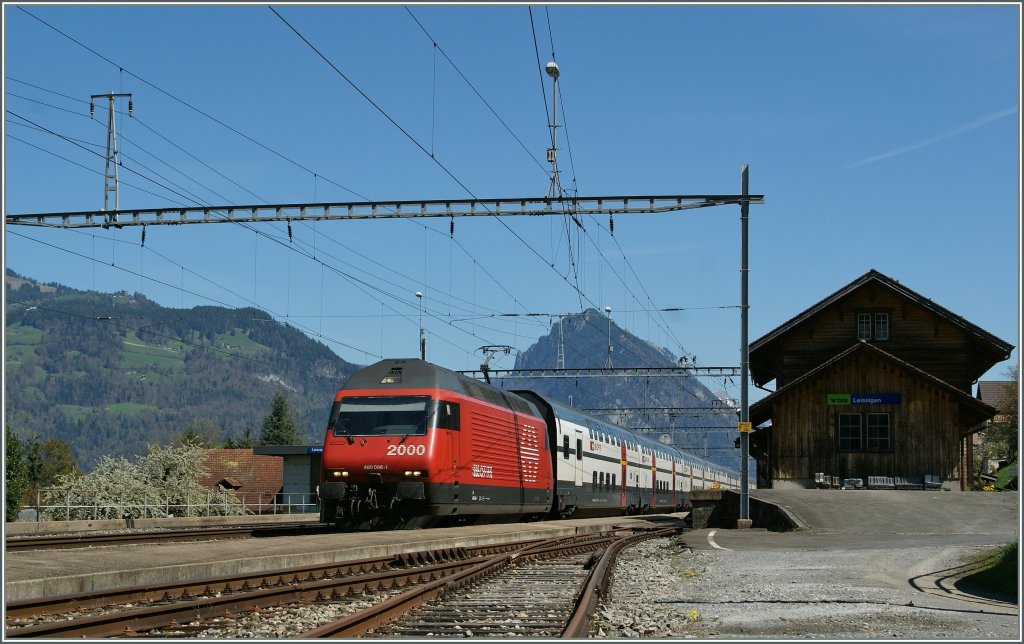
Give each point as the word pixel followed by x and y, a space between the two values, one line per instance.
pixel 108 373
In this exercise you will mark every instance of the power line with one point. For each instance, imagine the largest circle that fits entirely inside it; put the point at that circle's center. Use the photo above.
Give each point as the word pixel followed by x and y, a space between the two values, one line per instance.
pixel 185 103
pixel 219 122
pixel 351 278
pixel 410 137
pixel 475 91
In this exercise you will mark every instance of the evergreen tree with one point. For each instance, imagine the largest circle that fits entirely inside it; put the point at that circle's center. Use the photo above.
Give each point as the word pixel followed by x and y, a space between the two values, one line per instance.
pixel 245 442
pixel 279 427
pixel 201 431
pixel 15 474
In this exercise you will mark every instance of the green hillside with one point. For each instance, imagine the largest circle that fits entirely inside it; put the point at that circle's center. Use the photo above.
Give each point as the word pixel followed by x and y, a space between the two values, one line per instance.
pixel 109 373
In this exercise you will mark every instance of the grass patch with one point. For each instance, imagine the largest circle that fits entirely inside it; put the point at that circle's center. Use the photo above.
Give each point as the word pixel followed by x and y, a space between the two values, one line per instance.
pixel 77 412
pixel 237 344
pixel 132 409
pixel 139 354
pixel 996 570
pixel 24 335
pixel 16 354
pixel 1006 476
pixel 20 343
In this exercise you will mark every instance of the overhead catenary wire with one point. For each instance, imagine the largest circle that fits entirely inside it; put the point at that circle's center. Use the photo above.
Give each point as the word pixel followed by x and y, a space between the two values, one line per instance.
pixel 351 278
pixel 476 91
pixel 315 232
pixel 186 103
pixel 222 123
pixel 414 141
pixel 190 105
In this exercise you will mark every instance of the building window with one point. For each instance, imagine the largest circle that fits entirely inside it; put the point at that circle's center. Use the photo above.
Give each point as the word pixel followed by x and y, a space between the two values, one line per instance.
pixel 850 433
pixel 872 326
pixel 863 326
pixel 881 326
pixel 878 432
pixel 864 432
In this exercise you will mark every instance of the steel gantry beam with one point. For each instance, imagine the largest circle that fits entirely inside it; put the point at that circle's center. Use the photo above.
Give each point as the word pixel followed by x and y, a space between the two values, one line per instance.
pixel 536 206
pixel 614 372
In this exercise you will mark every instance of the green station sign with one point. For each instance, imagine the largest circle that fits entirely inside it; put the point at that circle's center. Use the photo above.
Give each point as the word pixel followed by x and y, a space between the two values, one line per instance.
pixel 863 399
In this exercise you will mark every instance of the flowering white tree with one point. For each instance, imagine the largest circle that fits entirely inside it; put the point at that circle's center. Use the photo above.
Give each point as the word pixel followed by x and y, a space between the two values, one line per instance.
pixel 164 482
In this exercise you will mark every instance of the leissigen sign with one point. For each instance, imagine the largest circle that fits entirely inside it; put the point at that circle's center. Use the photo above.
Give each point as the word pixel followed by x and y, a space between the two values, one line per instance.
pixel 863 399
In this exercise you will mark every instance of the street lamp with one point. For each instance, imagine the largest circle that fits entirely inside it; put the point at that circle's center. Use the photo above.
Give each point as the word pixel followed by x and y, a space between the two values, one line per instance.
pixel 423 339
pixel 608 310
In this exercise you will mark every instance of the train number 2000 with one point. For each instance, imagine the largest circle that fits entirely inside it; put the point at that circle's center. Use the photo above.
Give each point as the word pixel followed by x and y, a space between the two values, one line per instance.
pixel 407 450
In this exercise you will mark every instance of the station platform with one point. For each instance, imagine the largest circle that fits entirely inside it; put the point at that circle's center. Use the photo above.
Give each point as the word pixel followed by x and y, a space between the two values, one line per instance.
pixel 43 573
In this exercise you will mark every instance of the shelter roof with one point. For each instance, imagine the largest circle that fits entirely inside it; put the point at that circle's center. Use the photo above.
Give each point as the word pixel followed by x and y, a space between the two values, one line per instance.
pixel 873 276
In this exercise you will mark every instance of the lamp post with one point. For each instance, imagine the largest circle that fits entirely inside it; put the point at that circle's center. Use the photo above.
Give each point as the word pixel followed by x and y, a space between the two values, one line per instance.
pixel 608 310
pixel 423 339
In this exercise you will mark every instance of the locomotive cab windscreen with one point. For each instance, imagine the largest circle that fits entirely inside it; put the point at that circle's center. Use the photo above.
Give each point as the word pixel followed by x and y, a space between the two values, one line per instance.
pixel 391 416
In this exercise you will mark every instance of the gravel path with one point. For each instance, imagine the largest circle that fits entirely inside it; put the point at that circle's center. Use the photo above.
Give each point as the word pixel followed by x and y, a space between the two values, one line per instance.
pixel 661 589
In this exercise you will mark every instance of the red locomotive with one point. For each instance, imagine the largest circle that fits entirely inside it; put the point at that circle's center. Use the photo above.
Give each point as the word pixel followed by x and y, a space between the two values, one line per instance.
pixel 410 444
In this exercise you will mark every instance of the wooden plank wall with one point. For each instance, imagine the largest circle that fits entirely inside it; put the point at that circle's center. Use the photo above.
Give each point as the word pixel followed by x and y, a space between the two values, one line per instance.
pixel 917 336
pixel 925 427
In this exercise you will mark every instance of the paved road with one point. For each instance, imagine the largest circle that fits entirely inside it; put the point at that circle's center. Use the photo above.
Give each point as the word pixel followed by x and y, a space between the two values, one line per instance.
pixel 868 564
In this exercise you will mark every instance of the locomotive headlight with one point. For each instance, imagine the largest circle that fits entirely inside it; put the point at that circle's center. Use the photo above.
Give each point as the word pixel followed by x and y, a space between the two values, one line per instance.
pixel 339 473
pixel 413 473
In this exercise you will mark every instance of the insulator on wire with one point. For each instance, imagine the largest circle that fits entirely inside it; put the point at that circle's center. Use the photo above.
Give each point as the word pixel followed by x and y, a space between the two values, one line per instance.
pixel 289 230
pixel 451 228
pixel 143 236
pixel 129 107
pixel 611 224
pixel 92 109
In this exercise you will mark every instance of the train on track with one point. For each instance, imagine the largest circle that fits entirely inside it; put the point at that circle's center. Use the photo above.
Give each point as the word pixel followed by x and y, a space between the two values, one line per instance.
pixel 411 444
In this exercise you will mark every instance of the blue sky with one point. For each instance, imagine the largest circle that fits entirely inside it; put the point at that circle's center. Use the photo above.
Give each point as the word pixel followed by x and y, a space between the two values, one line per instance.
pixel 883 137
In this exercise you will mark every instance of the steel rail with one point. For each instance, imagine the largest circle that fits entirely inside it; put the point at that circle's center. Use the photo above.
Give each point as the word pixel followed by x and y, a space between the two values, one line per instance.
pixel 366 620
pixel 234 600
pixel 188 589
pixel 597 584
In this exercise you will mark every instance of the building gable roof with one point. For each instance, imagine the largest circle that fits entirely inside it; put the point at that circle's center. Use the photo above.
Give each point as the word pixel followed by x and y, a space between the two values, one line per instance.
pixel 253 473
pixel 875 277
pixel 998 393
pixel 761 410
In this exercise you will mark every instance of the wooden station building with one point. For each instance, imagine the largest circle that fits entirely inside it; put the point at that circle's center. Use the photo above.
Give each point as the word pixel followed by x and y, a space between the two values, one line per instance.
pixel 875 380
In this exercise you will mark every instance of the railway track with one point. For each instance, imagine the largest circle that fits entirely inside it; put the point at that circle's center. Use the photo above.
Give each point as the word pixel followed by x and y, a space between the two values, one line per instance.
pixel 545 590
pixel 136 609
pixel 365 598
pixel 52 542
